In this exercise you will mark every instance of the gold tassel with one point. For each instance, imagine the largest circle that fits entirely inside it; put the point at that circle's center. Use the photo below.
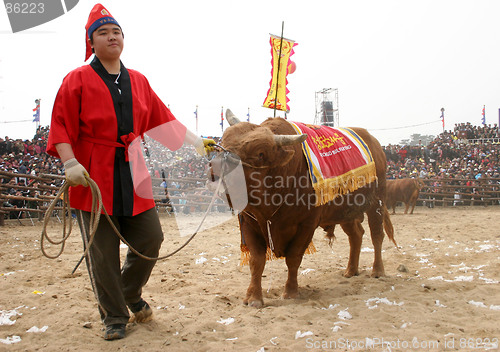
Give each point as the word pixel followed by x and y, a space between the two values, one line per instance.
pixel 326 190
pixel 311 249
pixel 245 253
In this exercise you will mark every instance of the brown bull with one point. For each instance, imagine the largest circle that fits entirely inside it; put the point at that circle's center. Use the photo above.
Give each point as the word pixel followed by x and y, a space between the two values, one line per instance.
pixel 404 190
pixel 280 215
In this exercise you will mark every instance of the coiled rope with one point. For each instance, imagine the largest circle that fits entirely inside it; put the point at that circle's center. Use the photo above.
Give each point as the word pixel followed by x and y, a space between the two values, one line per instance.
pixel 96 209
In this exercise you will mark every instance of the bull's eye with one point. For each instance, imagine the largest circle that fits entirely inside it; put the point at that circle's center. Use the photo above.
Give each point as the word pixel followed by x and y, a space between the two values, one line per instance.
pixel 261 156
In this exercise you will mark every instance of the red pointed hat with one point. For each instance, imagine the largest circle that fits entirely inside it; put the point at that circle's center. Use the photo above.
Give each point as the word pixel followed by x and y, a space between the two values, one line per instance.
pixel 98 17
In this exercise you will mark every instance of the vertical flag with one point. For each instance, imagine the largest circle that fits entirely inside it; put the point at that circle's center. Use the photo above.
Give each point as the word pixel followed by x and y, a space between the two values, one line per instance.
pixel 222 119
pixel 276 95
pixel 442 117
pixel 483 119
pixel 36 115
pixel 196 117
pixel 248 115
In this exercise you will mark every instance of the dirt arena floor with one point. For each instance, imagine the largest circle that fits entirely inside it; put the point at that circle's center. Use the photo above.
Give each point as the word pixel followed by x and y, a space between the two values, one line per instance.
pixel 441 293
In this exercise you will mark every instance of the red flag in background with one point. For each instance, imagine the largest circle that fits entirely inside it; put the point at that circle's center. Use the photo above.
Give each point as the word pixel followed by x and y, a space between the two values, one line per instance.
pixel 222 119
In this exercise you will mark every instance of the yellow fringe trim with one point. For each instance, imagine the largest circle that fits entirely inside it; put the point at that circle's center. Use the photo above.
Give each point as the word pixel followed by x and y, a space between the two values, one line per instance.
pixel 245 253
pixel 328 189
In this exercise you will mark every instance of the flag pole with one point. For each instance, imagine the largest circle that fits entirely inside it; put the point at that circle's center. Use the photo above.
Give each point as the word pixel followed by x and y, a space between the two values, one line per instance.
pixel 279 67
pixel 196 115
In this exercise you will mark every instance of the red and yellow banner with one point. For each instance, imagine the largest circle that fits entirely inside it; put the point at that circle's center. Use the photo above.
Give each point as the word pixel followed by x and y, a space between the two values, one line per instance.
pixel 276 95
pixel 339 160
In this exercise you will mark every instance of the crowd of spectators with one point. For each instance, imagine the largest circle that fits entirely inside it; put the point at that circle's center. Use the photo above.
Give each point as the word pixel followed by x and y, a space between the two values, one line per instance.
pixel 177 175
pixel 28 156
pixel 467 153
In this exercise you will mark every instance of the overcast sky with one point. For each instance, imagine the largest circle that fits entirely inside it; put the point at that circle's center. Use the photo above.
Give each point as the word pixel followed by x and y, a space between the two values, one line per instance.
pixel 395 63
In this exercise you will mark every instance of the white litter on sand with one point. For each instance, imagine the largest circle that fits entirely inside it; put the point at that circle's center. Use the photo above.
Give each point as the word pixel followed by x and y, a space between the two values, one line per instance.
pixel 482 305
pixel 201 260
pixel 374 302
pixel 485 247
pixel 11 339
pixel 7 274
pixel 331 306
pixel 226 321
pixel 5 316
pixel 306 271
pixel 336 328
pixel 477 304
pixel 36 329
pixel 463 278
pixel 344 314
pixel 300 334
pixel 438 304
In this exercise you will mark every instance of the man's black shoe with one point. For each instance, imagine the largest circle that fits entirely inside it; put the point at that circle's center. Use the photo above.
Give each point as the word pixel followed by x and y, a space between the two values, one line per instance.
pixel 114 332
pixel 142 312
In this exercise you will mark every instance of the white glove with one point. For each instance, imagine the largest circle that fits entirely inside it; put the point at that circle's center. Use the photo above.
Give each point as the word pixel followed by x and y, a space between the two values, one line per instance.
pixel 75 173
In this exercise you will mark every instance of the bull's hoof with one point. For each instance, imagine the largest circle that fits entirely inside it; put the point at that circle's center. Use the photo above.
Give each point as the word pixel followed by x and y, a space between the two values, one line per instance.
pixel 350 273
pixel 254 303
pixel 290 294
pixel 377 274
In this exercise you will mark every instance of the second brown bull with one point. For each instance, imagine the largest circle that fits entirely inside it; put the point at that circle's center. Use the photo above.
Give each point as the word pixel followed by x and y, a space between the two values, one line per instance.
pixel 405 190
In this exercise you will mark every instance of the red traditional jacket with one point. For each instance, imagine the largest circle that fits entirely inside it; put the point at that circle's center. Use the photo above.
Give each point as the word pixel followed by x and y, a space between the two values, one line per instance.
pixel 100 119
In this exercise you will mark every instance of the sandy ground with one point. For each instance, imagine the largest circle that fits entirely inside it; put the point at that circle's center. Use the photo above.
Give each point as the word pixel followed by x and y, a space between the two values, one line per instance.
pixel 449 298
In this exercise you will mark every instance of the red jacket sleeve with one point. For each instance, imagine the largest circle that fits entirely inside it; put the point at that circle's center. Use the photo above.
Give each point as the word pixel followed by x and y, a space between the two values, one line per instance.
pixel 64 126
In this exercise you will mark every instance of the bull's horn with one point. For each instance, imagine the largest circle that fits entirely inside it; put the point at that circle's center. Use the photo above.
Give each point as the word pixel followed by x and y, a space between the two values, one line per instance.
pixel 231 118
pixel 290 139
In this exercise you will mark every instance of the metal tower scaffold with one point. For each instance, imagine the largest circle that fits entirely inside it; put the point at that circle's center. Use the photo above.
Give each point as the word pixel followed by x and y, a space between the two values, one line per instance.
pixel 327 107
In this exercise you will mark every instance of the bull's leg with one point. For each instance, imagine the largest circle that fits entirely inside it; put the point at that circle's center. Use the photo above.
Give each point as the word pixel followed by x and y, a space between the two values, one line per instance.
pixel 413 201
pixel 292 284
pixel 355 232
pixel 257 247
pixel 407 205
pixel 254 292
pixel 293 258
pixel 375 221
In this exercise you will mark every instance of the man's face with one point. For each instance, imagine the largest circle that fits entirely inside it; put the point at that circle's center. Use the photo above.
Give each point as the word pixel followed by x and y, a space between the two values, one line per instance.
pixel 107 42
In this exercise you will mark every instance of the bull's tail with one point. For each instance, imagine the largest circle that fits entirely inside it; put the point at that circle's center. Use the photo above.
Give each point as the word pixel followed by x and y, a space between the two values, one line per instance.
pixel 389 229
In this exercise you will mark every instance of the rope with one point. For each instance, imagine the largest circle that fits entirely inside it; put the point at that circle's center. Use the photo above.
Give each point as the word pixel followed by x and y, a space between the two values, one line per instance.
pixel 95 216
pixel 401 127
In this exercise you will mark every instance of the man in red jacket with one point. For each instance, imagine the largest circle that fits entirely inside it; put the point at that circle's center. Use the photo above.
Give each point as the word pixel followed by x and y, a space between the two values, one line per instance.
pixel 99 110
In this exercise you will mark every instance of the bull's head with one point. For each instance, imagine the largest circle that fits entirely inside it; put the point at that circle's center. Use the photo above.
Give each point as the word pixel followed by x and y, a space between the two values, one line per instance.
pixel 248 148
pixel 257 146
